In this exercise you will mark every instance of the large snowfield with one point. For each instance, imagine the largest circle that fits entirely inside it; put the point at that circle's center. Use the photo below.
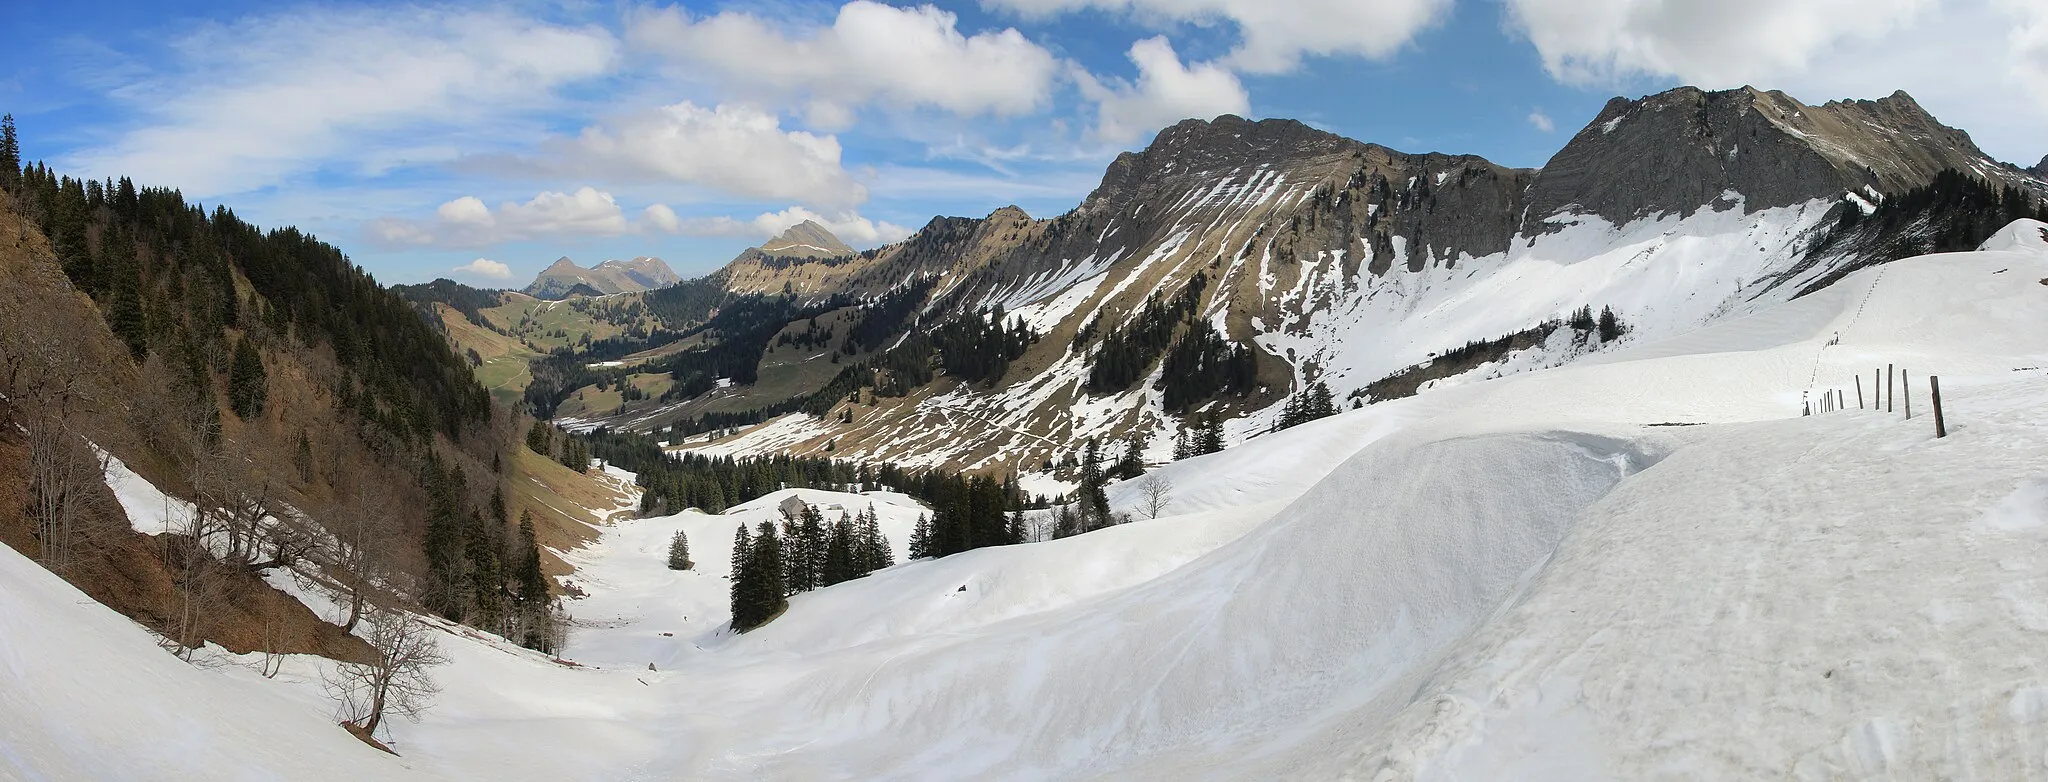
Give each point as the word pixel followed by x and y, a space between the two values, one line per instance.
pixel 1645 564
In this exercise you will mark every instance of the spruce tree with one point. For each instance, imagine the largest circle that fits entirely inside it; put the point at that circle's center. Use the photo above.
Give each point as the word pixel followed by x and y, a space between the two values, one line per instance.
pixel 533 589
pixel 486 585
pixel 248 386
pixel 1094 501
pixel 761 584
pixel 921 538
pixel 10 153
pixel 1610 326
pixel 741 585
pixel 1210 439
pixel 839 560
pixel 874 543
pixel 444 544
pixel 679 552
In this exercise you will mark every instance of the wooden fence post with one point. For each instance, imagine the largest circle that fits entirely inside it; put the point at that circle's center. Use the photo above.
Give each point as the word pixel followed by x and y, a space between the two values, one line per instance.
pixel 1891 397
pixel 1859 392
pixel 1940 427
pixel 1906 386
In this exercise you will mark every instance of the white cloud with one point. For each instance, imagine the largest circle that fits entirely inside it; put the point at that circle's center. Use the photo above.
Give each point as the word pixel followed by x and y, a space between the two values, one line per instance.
pixel 468 222
pixel 904 57
pixel 1274 34
pixel 1166 92
pixel 485 268
pixel 848 226
pixel 1541 121
pixel 1710 43
pixel 254 103
pixel 732 149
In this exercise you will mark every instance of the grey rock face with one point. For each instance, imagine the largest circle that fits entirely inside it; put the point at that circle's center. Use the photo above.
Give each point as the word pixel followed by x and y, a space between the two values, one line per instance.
pixel 1683 149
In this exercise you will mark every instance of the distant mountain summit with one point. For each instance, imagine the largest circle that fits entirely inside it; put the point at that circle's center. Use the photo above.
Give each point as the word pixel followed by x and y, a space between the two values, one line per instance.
pixel 563 278
pixel 807 239
pixel 1680 150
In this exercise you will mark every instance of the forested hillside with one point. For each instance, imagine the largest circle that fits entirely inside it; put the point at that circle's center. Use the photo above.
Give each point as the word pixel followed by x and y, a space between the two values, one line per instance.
pixel 308 416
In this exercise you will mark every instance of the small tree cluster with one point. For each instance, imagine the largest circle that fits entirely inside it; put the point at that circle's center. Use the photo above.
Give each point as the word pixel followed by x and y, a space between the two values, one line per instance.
pixel 679 552
pixel 571 452
pixel 805 553
pixel 1313 403
pixel 1606 325
pixel 1206 437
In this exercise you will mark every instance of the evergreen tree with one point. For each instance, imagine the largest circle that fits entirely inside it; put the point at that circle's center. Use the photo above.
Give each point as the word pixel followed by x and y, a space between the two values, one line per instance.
pixel 679 552
pixel 10 153
pixel 839 563
pixel 540 439
pixel 444 544
pixel 1132 464
pixel 536 616
pixel 248 386
pixel 759 589
pixel 486 584
pixel 1610 326
pixel 1210 438
pixel 1094 501
pixel 921 539
pixel 875 552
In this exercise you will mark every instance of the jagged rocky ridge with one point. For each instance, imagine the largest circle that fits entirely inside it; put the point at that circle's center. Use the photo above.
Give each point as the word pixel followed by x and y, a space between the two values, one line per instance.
pixel 1347 262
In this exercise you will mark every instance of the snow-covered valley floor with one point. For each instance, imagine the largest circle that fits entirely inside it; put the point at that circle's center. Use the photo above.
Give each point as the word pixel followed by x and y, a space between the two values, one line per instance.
pixel 1528 578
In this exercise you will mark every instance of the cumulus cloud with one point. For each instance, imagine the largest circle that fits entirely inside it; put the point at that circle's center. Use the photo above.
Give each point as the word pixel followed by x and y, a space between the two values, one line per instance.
pixel 468 222
pixel 1976 64
pixel 247 105
pixel 1712 43
pixel 848 226
pixel 1541 121
pixel 905 57
pixel 1273 34
pixel 1165 92
pixel 736 150
pixel 485 268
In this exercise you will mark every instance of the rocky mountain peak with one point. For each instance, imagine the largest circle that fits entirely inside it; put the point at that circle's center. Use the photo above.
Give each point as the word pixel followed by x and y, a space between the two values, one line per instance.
pixel 2040 169
pixel 806 239
pixel 563 277
pixel 1685 148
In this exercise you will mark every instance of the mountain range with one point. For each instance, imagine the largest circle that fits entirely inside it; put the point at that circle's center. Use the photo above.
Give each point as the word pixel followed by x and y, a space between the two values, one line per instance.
pixel 1334 262
pixel 564 278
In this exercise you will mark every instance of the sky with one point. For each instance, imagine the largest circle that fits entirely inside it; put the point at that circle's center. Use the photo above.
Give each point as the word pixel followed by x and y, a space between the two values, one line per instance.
pixel 482 141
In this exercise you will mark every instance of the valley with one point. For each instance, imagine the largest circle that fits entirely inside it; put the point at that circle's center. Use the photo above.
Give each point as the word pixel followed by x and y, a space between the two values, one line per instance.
pixel 1711 448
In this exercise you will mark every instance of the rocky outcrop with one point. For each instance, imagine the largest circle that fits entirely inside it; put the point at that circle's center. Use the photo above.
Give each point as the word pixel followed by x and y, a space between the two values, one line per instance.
pixel 1680 150
pixel 807 239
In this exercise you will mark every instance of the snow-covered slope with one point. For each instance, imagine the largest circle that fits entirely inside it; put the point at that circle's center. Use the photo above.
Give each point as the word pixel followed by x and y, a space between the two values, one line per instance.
pixel 1528 578
pixel 87 694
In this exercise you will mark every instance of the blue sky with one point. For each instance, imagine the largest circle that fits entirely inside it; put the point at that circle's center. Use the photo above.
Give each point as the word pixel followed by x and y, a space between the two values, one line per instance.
pixel 481 141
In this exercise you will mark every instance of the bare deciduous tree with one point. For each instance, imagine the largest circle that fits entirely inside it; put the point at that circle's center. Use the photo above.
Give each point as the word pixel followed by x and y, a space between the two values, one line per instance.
pixel 361 523
pixel 399 681
pixel 1154 492
pixel 45 389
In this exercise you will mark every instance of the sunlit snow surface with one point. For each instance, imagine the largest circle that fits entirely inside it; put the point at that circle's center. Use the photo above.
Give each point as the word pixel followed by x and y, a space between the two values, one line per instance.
pixel 1515 579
